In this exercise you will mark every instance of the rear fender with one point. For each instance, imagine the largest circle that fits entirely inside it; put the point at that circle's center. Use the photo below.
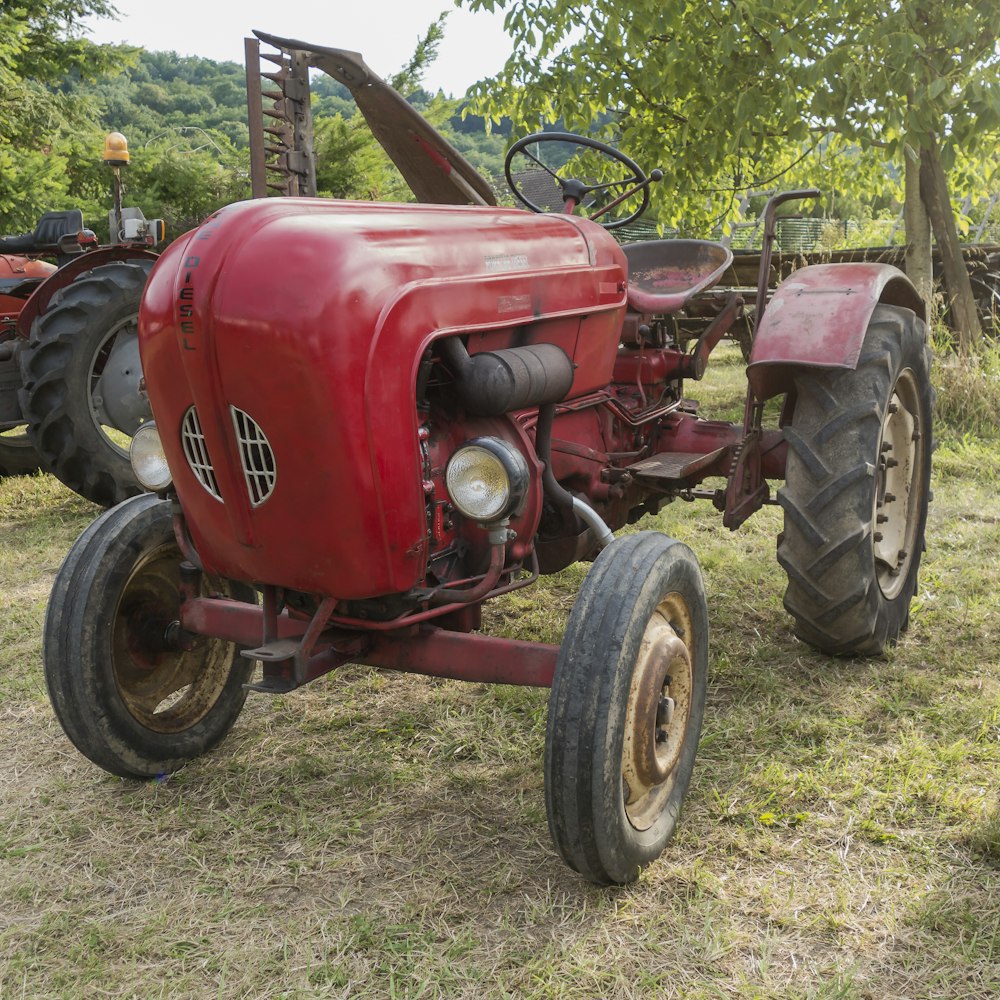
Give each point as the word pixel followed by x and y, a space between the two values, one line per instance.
pixel 818 317
pixel 68 273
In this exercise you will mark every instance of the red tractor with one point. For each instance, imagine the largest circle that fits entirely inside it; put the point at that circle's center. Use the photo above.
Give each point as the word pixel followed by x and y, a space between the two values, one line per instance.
pixel 370 419
pixel 70 379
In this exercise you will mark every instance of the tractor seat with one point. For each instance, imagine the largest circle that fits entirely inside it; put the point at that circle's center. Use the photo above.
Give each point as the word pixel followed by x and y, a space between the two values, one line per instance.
pixel 52 226
pixel 664 274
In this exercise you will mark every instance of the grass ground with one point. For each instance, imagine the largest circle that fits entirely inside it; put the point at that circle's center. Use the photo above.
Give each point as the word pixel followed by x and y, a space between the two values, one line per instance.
pixel 383 835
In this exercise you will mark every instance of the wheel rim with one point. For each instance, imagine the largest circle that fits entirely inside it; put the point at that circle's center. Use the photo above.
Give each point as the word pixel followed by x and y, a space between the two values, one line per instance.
pixel 899 486
pixel 114 370
pixel 659 706
pixel 164 686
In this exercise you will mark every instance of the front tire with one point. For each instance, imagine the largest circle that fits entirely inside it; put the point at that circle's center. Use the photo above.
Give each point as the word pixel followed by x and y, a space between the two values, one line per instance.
pixel 857 488
pixel 127 694
pixel 626 707
pixel 80 375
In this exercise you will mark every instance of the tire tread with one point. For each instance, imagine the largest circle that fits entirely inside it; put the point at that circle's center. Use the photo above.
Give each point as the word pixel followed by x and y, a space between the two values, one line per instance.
pixel 825 547
pixel 54 396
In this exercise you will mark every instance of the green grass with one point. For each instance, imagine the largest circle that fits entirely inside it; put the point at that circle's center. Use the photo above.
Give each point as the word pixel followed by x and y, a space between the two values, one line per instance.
pixel 968 391
pixel 379 835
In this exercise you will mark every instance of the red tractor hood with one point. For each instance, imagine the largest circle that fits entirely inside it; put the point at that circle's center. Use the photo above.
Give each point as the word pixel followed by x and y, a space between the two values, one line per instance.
pixel 281 343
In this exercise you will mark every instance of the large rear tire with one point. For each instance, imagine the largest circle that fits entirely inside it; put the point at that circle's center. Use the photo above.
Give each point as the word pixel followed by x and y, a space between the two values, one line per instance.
pixel 17 454
pixel 857 488
pixel 131 697
pixel 81 374
pixel 626 707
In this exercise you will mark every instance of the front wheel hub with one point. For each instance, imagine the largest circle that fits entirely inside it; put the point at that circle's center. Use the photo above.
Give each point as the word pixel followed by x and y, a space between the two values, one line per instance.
pixel 657 714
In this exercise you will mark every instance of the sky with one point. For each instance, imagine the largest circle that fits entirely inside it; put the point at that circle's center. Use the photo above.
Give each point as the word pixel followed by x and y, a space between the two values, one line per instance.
pixel 385 32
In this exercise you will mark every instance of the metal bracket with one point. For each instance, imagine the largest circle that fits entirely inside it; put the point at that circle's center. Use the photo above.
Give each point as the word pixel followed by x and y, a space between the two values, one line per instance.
pixel 283 161
pixel 746 490
pixel 278 655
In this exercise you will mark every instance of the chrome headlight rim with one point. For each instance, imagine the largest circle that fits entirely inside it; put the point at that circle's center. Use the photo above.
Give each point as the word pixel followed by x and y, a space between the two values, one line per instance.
pixel 501 455
pixel 149 462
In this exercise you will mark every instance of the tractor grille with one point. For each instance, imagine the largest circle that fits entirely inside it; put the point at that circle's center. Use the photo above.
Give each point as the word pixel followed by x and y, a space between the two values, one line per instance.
pixel 259 469
pixel 196 452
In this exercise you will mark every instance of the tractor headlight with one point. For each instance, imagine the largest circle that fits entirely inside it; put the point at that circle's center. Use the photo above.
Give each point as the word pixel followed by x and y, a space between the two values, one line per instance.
pixel 148 461
pixel 487 479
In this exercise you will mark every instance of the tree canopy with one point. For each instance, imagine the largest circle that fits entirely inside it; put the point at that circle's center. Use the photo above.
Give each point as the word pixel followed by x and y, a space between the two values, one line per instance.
pixel 41 43
pixel 185 119
pixel 729 96
pixel 42 40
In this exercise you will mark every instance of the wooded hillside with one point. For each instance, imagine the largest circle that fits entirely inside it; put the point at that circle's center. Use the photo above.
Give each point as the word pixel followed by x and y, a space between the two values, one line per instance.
pixel 186 122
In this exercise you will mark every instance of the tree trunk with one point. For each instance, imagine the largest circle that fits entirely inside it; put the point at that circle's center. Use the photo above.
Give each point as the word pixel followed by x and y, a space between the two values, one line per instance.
pixel 919 262
pixel 962 314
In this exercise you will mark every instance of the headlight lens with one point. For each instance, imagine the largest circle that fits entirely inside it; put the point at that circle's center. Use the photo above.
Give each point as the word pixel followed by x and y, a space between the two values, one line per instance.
pixel 487 479
pixel 148 461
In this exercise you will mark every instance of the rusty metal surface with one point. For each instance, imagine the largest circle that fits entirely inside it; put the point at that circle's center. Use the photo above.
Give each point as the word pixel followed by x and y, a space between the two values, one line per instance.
pixel 818 317
pixel 168 686
pixel 746 263
pixel 664 274
pixel 746 489
pixel 258 158
pixel 899 475
pixel 675 466
pixel 731 311
pixel 436 172
pixel 656 716
pixel 423 650
pixel 466 657
pixel 280 117
pixel 770 232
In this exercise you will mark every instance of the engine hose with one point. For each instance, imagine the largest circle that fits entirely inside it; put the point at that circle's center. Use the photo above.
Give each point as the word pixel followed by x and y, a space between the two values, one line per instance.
pixel 594 521
pixel 498 555
pixel 562 498
pixel 183 537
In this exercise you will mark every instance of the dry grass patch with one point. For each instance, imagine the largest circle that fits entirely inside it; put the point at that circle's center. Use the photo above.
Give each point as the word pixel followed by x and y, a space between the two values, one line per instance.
pixel 382 835
pixel 968 391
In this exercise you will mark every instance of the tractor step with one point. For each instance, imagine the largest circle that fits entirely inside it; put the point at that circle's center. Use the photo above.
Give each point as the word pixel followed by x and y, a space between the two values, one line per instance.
pixel 674 466
pixel 273 685
pixel 271 654
pixel 274 652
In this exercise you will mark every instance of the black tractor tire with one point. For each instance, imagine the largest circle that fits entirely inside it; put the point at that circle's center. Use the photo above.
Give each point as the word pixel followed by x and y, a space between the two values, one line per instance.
pixel 856 491
pixel 17 454
pixel 626 707
pixel 129 696
pixel 69 345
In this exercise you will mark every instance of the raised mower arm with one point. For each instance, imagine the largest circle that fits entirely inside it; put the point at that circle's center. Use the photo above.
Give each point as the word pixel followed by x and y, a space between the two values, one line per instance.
pixel 436 172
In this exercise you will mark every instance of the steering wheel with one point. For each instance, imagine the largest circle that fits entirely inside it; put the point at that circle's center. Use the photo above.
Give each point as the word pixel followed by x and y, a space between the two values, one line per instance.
pixel 574 191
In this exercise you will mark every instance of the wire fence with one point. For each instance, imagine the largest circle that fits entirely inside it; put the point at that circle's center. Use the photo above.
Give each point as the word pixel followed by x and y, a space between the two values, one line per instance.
pixel 805 235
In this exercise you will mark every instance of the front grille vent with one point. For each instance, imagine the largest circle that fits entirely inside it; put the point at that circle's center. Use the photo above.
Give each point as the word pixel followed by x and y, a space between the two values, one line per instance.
pixel 196 452
pixel 259 469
